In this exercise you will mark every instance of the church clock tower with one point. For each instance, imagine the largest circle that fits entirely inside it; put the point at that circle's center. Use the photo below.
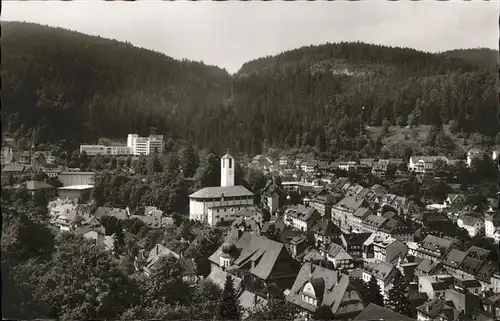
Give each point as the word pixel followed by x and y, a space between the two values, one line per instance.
pixel 227 170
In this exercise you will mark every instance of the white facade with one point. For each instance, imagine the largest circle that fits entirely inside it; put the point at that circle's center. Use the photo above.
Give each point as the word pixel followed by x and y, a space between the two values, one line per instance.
pixel 491 230
pixel 213 205
pixel 472 228
pixel 227 170
pixel 144 145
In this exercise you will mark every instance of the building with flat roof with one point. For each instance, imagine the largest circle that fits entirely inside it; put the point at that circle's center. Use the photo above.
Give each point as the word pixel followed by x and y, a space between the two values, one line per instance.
pixel 94 150
pixel 80 192
pixel 144 145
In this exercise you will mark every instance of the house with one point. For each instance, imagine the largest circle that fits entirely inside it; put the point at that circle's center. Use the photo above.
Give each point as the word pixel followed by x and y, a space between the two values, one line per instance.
pixel 435 286
pixel 297 245
pixel 285 161
pixel 375 312
pixel 308 167
pixel 323 201
pixel 388 249
pixel 338 256
pixel 437 309
pixel 348 166
pixel 325 231
pixel 7 153
pixel 472 154
pixel 264 261
pixel 355 220
pixel 424 164
pixel 353 244
pixel 473 225
pixel 36 186
pixel 348 205
pixel 383 272
pixel 492 225
pixel 379 169
pixel 316 286
pixel 15 170
pixel 455 201
pixel 427 267
pixel 188 267
pixel 262 161
pixel 453 260
pixel 96 235
pixel 373 223
pixel 271 196
pixel 492 305
pixel 247 224
pixel 434 248
pixel 301 217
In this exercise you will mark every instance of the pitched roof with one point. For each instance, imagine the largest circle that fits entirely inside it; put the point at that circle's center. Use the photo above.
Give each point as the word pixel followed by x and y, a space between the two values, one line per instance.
pixel 338 252
pixel 119 213
pixel 380 269
pixel 219 191
pixel 455 258
pixel 434 308
pixel 374 220
pixel 428 266
pixel 301 212
pixel 350 203
pixel 434 243
pixel 264 252
pixel 218 277
pixel 330 287
pixel 326 228
pixel 374 312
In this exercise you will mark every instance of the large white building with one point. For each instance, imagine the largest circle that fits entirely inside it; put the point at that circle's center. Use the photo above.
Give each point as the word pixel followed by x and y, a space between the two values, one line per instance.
pixel 145 145
pixel 213 205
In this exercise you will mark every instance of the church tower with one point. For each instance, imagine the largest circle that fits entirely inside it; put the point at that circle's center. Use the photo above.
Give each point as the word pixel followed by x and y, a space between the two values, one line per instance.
pixel 227 170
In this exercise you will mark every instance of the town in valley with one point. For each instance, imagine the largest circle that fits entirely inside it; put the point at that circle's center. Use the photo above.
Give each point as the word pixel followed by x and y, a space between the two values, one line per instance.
pixel 303 187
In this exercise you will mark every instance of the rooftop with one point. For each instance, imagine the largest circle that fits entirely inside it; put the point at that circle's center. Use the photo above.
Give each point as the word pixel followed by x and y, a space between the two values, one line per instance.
pixel 76 187
pixel 219 191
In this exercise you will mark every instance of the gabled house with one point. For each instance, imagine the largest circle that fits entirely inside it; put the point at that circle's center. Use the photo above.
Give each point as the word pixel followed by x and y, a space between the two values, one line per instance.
pixel 89 233
pixel 353 244
pixel 297 245
pixel 473 225
pixel 188 267
pixel 36 186
pixel 355 220
pixel 425 164
pixel 383 272
pixel 453 260
pixel 437 309
pixel 263 260
pixel 427 267
pixel 348 205
pixel 301 217
pixel 389 250
pixel 271 196
pixel 434 248
pixel 323 201
pixel 338 256
pixel 316 286
pixel 325 231
pixel 455 201
pixel 435 286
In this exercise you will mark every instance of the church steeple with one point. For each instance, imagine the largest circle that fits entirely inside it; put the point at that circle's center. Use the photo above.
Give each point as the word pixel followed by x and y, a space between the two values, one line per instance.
pixel 227 170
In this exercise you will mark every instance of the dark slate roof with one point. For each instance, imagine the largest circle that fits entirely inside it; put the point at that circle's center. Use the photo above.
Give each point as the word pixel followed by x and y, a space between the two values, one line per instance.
pixel 428 266
pixel 217 191
pixel 434 243
pixel 375 312
pixel 263 251
pixel 329 285
pixel 455 258
pixel 301 212
pixel 379 269
pixel 326 228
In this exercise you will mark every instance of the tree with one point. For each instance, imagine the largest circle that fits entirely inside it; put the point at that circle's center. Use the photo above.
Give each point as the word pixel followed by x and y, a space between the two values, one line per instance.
pixel 153 164
pixel 275 309
pixel 372 293
pixel 229 307
pixel 119 243
pixel 398 296
pixel 385 126
pixel 188 160
pixel 320 145
pixel 208 173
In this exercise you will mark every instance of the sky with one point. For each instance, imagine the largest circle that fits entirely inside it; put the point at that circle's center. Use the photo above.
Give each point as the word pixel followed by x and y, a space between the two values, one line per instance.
pixel 227 34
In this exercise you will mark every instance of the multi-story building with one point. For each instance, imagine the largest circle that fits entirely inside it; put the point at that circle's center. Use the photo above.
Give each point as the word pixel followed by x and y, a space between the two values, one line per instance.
pixel 424 164
pixel 145 145
pixel 492 225
pixel 301 217
pixel 93 150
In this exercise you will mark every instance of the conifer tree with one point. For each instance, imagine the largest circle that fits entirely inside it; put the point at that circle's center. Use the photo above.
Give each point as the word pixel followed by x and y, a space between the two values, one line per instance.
pixel 229 308
pixel 373 294
pixel 398 297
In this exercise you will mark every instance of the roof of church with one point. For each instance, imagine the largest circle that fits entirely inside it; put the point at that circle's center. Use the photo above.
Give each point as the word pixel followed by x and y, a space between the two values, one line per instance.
pixel 219 191
pixel 227 155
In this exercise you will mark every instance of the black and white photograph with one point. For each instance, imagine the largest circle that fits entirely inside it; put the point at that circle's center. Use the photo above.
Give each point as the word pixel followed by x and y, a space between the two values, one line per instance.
pixel 250 160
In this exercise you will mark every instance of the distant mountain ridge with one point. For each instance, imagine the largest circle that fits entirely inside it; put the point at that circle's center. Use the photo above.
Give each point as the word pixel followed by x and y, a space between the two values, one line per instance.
pixel 76 87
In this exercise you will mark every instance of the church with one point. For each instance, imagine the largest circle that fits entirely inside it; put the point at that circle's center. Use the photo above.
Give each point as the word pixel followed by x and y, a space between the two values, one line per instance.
pixel 214 205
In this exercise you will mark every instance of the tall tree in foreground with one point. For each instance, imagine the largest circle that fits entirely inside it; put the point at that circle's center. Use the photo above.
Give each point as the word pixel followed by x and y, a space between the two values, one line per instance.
pixel 323 313
pixel 398 296
pixel 229 308
pixel 275 309
pixel 373 294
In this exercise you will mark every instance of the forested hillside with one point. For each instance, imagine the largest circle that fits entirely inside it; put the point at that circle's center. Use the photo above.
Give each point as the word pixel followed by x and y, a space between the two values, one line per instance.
pixel 77 87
